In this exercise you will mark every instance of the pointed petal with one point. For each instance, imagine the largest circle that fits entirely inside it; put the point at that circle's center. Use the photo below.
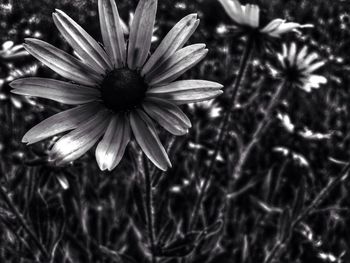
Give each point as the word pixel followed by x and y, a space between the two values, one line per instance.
pixel 310 58
pixel 281 59
pixel 305 63
pixel 187 91
pixel 302 54
pixel 314 67
pixel 60 91
pixel 141 33
pixel 62 63
pixel 284 28
pixel 76 143
pixel 172 42
pixel 177 64
pixel 146 136
pixel 60 122
pixel 112 32
pixel 86 47
pixel 111 148
pixel 168 115
pixel 273 25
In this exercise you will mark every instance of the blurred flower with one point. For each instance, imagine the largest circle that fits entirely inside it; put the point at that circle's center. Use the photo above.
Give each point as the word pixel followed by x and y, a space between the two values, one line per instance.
pixel 118 90
pixel 304 132
pixel 209 108
pixel 8 54
pixel 11 51
pixel 249 16
pixel 14 73
pixel 298 68
pixel 297 157
pixel 6 8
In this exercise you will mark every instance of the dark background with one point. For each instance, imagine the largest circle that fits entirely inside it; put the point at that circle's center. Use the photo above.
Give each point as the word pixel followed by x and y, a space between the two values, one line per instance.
pixel 100 217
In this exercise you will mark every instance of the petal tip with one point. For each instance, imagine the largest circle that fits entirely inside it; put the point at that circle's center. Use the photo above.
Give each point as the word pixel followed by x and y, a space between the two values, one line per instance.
pixel 218 85
pixel 59 11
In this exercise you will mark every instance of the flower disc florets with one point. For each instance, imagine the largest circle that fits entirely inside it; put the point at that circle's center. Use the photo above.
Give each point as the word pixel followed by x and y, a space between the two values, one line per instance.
pixel 123 89
pixel 292 74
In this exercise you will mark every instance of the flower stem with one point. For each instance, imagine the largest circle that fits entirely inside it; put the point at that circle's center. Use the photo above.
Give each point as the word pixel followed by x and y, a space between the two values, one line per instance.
pixel 224 126
pixel 24 224
pixel 260 129
pixel 149 207
pixel 281 244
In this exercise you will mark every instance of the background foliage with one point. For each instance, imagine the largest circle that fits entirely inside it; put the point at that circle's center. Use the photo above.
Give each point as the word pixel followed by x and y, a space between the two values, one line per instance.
pixel 80 214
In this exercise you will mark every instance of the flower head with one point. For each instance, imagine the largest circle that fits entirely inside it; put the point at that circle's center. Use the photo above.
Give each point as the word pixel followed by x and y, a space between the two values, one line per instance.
pixel 118 91
pixel 249 16
pixel 298 67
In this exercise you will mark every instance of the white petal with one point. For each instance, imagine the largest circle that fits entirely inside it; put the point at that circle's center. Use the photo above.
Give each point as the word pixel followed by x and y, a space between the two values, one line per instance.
pixel 61 122
pixel 317 79
pixel 168 115
pixel 141 33
pixel 86 47
pixel 309 59
pixel 76 143
pixel 284 28
pixel 307 87
pixel 177 64
pixel 172 42
pixel 302 54
pixel 256 16
pixel 314 67
pixel 112 32
pixel 187 91
pixel 60 91
pixel 146 136
pixel 111 148
pixel 273 25
pixel 233 9
pixel 252 13
pixel 62 63
pixel 292 53
pixel 281 59
pixel 284 50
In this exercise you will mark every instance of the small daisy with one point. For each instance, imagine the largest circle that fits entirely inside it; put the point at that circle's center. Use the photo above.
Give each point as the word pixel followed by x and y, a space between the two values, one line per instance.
pixel 298 67
pixel 249 16
pixel 118 90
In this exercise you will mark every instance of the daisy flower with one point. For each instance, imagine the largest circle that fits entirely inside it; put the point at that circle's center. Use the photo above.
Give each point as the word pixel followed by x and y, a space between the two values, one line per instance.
pixel 118 91
pixel 298 67
pixel 249 16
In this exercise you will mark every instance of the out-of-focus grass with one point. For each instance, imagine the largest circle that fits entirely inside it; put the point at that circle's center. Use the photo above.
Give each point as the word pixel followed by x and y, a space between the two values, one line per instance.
pixel 100 216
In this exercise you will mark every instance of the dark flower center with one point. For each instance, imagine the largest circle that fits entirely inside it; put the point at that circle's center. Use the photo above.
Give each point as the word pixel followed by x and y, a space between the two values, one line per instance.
pixel 123 89
pixel 293 74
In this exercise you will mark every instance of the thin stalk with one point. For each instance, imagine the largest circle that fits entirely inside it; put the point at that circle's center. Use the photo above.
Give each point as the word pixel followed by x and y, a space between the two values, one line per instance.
pixel 259 131
pixel 222 132
pixel 22 241
pixel 149 207
pixel 308 210
pixel 24 224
